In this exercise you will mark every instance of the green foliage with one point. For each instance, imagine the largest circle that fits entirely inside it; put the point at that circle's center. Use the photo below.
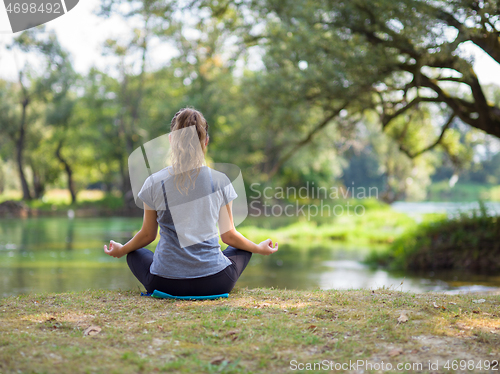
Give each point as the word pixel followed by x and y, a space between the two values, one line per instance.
pixel 379 226
pixel 294 92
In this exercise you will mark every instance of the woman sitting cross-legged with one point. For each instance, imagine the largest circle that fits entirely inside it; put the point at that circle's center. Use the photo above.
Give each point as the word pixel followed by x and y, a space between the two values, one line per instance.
pixel 187 200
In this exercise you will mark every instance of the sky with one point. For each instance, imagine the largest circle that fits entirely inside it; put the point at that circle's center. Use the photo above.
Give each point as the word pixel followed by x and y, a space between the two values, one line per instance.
pixel 82 33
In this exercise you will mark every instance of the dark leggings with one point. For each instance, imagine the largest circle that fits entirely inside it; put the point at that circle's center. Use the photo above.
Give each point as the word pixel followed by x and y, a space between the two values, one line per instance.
pixel 140 261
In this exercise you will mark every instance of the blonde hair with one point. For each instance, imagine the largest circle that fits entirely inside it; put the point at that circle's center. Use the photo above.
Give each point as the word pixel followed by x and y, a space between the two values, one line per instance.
pixel 187 156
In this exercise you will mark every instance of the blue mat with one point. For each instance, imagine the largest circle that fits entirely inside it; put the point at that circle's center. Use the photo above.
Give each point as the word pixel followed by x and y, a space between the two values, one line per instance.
pixel 163 295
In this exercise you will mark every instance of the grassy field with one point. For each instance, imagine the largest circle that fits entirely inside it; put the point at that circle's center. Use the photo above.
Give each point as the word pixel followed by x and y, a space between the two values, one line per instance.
pixel 381 226
pixel 254 331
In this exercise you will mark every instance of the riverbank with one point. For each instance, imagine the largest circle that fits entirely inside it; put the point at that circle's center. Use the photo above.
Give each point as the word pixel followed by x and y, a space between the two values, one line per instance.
pixel 463 191
pixel 468 242
pixel 104 206
pixel 254 331
pixel 373 224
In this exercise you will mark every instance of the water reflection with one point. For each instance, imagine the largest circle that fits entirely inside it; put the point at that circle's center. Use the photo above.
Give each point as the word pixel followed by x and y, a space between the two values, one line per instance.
pixel 340 268
pixel 20 280
pixel 61 254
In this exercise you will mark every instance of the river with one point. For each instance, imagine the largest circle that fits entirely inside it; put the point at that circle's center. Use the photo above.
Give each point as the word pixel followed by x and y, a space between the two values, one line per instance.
pixel 63 254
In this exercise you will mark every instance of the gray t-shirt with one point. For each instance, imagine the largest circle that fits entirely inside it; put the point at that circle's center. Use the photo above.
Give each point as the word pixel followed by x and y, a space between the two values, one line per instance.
pixel 189 239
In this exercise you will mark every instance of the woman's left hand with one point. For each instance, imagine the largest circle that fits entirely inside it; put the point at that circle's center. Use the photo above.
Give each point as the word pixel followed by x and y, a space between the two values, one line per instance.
pixel 115 249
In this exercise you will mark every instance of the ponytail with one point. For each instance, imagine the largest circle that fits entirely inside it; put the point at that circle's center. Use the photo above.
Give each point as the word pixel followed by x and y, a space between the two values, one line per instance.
pixel 188 155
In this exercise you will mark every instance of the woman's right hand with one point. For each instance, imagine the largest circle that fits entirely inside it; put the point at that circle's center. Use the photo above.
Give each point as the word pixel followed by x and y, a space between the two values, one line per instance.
pixel 266 247
pixel 115 249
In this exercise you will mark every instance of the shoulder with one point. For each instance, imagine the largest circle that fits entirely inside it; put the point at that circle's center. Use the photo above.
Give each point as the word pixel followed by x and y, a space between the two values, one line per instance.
pixel 220 179
pixel 160 175
pixel 154 181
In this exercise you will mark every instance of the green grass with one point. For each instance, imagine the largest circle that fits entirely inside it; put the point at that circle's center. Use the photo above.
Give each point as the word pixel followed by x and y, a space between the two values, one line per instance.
pixel 59 201
pixel 494 193
pixel 109 201
pixel 378 226
pixel 254 331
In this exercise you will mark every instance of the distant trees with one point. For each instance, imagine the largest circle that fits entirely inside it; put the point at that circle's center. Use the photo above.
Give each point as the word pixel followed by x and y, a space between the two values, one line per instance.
pixel 293 90
pixel 39 111
pixel 32 89
pixel 402 60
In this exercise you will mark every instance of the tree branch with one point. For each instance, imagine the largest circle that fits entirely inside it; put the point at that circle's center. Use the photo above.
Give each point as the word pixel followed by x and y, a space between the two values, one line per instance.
pixel 488 41
pixel 306 140
pixel 386 119
pixel 428 148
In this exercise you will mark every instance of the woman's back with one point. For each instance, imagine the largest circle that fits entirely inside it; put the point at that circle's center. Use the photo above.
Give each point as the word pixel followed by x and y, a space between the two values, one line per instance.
pixel 189 239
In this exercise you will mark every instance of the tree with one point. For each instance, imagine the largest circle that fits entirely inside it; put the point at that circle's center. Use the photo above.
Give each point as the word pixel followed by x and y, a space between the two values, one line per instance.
pixel 56 87
pixel 394 57
pixel 15 125
pixel 33 91
pixel 413 39
pixel 9 120
pixel 133 77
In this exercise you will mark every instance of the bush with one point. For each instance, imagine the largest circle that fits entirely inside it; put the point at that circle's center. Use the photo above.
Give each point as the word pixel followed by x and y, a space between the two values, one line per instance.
pixel 468 241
